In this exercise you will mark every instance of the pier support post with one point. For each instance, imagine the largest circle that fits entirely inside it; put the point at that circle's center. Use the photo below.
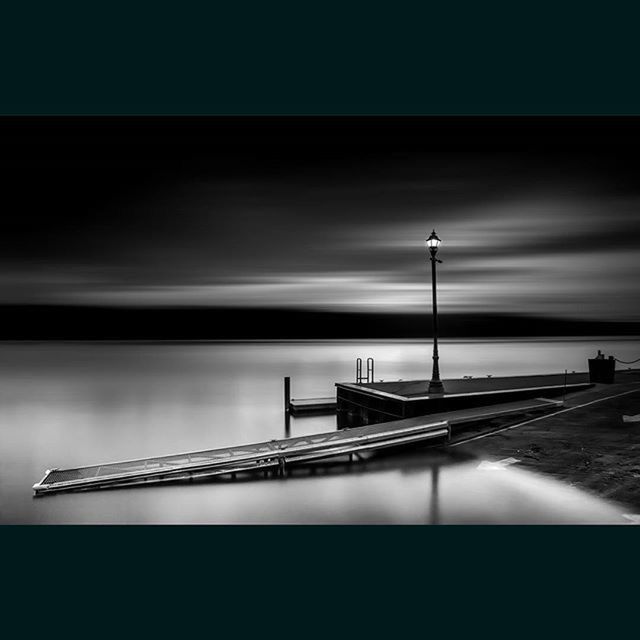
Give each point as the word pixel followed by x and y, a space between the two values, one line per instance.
pixel 287 407
pixel 287 393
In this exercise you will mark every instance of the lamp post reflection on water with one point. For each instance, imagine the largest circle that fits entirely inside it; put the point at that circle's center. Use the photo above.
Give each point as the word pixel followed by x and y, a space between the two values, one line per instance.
pixel 435 384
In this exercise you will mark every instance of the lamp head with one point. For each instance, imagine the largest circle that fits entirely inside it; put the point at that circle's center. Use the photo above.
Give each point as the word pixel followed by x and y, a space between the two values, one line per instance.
pixel 433 242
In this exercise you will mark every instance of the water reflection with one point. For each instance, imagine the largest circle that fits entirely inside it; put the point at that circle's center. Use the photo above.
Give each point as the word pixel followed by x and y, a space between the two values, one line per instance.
pixel 435 514
pixel 287 424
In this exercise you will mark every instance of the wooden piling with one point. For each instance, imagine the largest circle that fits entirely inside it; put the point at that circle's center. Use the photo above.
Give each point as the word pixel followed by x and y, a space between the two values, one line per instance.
pixel 287 393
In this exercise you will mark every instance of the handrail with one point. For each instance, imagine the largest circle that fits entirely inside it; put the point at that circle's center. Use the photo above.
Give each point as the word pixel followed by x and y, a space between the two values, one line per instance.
pixel 370 371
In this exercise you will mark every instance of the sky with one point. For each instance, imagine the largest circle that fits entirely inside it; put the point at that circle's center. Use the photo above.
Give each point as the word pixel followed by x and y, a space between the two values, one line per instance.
pixel 536 216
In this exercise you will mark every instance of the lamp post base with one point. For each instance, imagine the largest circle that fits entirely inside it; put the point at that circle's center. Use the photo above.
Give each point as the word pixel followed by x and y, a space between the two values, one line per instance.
pixel 436 386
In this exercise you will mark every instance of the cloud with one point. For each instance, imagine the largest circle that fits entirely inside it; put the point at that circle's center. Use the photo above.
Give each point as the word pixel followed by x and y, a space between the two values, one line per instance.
pixel 347 234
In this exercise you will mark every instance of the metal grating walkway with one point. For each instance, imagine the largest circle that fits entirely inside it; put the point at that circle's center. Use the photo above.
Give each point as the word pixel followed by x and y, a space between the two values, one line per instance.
pixel 248 458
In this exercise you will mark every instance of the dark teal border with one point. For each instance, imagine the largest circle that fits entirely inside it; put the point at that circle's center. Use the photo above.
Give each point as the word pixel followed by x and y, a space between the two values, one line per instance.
pixel 317 581
pixel 319 58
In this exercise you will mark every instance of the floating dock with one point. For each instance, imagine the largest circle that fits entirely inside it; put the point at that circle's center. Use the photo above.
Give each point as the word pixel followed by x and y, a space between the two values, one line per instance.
pixel 367 403
pixel 312 406
pixel 275 455
pixel 306 406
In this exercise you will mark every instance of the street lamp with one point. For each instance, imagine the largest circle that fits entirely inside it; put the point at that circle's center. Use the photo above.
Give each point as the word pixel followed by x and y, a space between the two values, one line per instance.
pixel 435 384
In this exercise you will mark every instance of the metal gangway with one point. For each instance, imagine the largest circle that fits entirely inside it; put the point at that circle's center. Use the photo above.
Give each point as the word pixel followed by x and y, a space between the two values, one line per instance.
pixel 260 457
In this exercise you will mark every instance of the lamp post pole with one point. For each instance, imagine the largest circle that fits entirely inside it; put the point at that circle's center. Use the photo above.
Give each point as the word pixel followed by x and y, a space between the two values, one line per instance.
pixel 435 384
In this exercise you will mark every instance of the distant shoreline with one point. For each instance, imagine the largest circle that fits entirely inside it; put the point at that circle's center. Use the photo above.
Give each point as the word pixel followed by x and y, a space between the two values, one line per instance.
pixel 40 323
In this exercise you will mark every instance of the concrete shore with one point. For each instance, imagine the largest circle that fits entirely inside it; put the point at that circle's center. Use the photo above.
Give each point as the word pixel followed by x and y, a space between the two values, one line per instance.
pixel 589 447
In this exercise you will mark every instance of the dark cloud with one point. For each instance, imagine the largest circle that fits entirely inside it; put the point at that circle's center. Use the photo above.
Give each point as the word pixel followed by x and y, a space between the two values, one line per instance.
pixel 537 216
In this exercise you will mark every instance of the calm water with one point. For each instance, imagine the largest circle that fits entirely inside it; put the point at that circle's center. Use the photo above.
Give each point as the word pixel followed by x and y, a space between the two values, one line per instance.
pixel 63 405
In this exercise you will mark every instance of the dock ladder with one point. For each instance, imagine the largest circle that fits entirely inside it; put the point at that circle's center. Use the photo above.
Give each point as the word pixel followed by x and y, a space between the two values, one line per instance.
pixel 369 377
